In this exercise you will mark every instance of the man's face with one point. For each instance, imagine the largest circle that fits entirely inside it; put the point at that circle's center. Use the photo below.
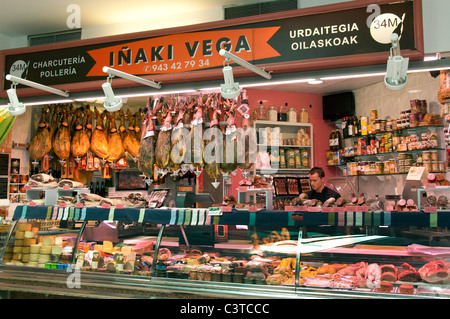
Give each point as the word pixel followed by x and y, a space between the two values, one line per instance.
pixel 316 182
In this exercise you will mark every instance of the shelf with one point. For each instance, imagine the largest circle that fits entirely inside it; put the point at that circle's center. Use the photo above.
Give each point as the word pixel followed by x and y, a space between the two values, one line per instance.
pixel 283 146
pixel 272 123
pixel 399 130
pixel 396 152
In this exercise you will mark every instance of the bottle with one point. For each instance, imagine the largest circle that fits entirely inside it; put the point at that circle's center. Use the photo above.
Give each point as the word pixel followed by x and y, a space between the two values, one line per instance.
pixel 95 259
pixel 344 127
pixel 355 126
pixel 339 140
pixel 349 127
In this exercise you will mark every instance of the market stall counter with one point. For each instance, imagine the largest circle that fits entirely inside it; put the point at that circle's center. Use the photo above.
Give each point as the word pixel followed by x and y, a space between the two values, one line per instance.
pixel 262 254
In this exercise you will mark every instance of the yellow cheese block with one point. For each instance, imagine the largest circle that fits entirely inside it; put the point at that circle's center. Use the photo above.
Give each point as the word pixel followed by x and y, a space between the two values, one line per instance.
pixel 126 250
pixel 98 247
pixel 9 249
pixel 47 241
pixel 58 241
pixel 45 250
pixel 56 250
pixel 34 257
pixel 17 249
pixel 29 241
pixel 23 227
pixel 25 258
pixel 20 234
pixel 34 249
pixel 16 256
pixel 107 246
pixel 26 249
pixel 29 234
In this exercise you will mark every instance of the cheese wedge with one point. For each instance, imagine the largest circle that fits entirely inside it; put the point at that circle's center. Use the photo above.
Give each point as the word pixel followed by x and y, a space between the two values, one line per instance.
pixel 107 246
pixel 29 234
pixel 23 227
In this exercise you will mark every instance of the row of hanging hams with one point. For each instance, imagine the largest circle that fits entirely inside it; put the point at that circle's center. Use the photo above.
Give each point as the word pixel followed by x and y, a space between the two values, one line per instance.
pixel 162 150
pixel 67 134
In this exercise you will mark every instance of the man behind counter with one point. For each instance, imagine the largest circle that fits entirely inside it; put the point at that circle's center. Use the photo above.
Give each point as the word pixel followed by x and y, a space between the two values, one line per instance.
pixel 319 190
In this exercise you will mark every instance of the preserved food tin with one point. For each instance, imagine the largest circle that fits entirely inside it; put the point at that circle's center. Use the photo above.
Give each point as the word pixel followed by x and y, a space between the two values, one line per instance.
pixel 373 115
pixel 434 156
pixel 434 166
pixel 426 156
pixel 427 166
pixel 441 166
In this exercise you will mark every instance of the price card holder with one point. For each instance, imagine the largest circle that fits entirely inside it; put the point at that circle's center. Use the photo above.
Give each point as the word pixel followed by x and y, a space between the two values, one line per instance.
pixel 328 209
pixel 227 209
pixel 106 206
pixel 361 208
pixel 351 208
pixel 340 209
pixel 62 205
pixel 66 188
pixel 297 216
pixel 119 206
pixel 215 211
pixel 293 208
pixel 313 209
pixel 79 205
pixel 430 209
pixel 252 209
pixel 27 187
pixel 32 204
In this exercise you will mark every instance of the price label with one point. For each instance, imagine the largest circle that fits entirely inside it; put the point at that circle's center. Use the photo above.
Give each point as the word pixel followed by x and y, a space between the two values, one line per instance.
pixel 227 209
pixel 252 209
pixel 340 209
pixel 79 205
pixel 62 205
pixel 107 206
pixel 66 187
pixel 32 204
pixel 430 209
pixel 215 211
pixel 302 208
pixel 291 208
pixel 242 189
pixel 119 206
pixel 351 208
pixel 328 209
pixel 27 187
pixel 361 208
pixel 430 185
pixel 313 209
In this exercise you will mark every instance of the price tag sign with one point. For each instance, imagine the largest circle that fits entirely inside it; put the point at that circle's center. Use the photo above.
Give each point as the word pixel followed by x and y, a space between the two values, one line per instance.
pixel 242 189
pixel 340 209
pixel 79 205
pixel 32 204
pixel 252 209
pixel 119 206
pixel 291 208
pixel 106 206
pixel 361 208
pixel 66 188
pixel 27 187
pixel 430 186
pixel 328 209
pixel 313 209
pixel 351 208
pixel 62 205
pixel 302 208
pixel 227 209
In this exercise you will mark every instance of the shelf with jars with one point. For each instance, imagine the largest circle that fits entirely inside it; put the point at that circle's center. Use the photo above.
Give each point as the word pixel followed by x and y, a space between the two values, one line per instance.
pixel 284 143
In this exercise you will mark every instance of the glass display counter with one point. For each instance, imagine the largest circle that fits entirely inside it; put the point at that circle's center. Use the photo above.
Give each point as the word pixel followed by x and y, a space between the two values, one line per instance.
pixel 187 252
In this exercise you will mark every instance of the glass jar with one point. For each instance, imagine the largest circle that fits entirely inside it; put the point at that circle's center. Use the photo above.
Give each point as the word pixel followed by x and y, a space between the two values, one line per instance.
pixel 272 114
pixel 303 116
pixel 292 115
pixel 282 114
pixel 261 112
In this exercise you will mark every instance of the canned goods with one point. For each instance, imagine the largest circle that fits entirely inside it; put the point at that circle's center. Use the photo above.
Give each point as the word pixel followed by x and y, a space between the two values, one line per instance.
pixel 434 156
pixel 427 166
pixel 426 156
pixel 441 166
pixel 434 167
pixel 373 115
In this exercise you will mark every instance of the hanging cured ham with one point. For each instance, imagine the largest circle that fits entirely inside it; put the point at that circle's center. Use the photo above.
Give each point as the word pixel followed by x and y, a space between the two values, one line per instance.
pixel 41 143
pixel 88 122
pixel 80 139
pixel 99 140
pixel 246 142
pixel 131 141
pixel 146 154
pixel 115 142
pixel 162 151
pixel 62 139
pixel 213 149
pixel 229 163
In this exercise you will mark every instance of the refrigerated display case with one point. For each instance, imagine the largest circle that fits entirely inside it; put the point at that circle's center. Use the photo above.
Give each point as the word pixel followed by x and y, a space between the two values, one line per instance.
pixel 185 253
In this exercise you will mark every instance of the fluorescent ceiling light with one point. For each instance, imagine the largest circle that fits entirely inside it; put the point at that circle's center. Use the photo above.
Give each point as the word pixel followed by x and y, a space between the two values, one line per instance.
pixel 352 76
pixel 315 81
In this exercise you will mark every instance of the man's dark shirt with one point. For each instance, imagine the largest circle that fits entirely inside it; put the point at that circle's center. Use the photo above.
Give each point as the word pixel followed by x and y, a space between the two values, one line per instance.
pixel 324 195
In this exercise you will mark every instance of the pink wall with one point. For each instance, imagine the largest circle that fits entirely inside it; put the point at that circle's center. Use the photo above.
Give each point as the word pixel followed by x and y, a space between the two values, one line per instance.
pixel 313 103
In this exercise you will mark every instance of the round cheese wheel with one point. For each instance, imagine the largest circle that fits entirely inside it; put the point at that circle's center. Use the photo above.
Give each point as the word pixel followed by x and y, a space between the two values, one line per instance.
pixel 16 256
pixel 29 241
pixel 20 235
pixel 23 227
pixel 26 249
pixel 47 241
pixel 45 250
pixel 19 242
pixel 34 249
pixel 17 249
pixel 34 257
pixel 56 250
pixel 25 258
pixel 43 259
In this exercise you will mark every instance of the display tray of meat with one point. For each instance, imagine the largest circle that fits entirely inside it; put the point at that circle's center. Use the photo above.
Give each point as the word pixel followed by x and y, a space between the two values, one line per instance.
pixel 280 186
pixel 292 184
